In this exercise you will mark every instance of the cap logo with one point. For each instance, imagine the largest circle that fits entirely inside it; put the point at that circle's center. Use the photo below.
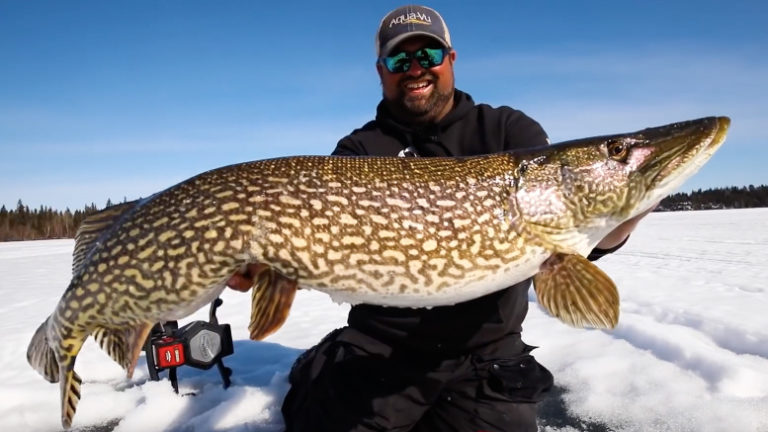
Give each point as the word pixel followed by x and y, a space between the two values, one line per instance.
pixel 411 18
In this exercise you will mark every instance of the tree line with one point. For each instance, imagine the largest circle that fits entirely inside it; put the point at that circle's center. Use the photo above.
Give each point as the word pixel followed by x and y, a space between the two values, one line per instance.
pixel 718 198
pixel 23 223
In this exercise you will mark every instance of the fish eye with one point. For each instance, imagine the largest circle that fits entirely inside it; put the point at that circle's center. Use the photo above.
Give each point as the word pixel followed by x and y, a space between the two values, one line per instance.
pixel 617 150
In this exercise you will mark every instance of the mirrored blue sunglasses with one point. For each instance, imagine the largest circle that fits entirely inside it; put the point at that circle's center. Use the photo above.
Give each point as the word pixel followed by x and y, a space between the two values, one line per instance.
pixel 426 57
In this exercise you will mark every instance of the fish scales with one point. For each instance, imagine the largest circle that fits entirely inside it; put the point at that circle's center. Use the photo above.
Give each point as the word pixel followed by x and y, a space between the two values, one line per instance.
pixel 409 232
pixel 318 216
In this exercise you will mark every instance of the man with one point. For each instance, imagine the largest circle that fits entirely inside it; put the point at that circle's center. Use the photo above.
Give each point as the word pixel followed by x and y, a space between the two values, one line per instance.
pixel 454 368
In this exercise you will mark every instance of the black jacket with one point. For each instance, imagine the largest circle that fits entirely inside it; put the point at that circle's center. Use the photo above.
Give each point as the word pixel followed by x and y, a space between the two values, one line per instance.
pixel 490 324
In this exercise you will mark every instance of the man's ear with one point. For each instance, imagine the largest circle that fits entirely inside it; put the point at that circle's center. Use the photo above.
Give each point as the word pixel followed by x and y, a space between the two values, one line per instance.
pixel 379 67
pixel 452 56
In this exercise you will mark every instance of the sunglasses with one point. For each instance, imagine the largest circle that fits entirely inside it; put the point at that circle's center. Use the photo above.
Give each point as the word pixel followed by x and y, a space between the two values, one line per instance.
pixel 426 57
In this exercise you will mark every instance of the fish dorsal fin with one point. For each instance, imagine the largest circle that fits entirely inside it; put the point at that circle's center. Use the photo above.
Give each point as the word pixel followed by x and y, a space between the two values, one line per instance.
pixel 123 345
pixel 271 301
pixel 91 229
pixel 577 292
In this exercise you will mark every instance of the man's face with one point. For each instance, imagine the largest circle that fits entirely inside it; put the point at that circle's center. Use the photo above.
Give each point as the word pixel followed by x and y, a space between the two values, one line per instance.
pixel 419 95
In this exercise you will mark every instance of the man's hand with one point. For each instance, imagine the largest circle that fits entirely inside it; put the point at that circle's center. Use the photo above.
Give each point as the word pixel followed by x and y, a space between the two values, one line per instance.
pixel 621 232
pixel 243 281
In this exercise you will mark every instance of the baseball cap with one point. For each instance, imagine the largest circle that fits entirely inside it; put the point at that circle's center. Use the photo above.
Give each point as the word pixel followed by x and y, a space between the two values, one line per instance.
pixel 407 21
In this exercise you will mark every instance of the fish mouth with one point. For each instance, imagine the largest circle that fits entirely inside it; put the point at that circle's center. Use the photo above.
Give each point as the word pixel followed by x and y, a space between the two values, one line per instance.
pixel 676 152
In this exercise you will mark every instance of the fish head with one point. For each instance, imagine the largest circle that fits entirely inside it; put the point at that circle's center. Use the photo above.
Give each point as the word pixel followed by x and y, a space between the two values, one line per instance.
pixel 575 192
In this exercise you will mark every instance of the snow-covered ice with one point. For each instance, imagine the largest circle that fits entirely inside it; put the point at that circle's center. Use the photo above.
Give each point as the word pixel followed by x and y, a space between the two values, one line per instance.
pixel 690 352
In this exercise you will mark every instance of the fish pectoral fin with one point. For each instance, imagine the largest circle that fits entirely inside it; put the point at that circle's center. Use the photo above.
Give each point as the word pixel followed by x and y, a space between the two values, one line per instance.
pixel 70 395
pixel 576 291
pixel 123 345
pixel 271 301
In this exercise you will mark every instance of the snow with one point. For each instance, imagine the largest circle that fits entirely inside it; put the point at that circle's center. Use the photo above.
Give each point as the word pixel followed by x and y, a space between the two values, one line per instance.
pixel 690 352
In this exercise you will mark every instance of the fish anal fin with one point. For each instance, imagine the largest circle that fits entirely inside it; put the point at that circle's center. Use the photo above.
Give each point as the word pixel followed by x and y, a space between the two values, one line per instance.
pixel 576 291
pixel 136 344
pixel 70 395
pixel 91 229
pixel 123 345
pixel 271 301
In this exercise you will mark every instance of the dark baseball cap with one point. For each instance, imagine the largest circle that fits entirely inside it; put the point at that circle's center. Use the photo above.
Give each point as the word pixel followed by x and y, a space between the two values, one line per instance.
pixel 407 21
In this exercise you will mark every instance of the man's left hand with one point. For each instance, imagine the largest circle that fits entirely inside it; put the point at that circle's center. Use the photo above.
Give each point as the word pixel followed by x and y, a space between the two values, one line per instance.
pixel 621 232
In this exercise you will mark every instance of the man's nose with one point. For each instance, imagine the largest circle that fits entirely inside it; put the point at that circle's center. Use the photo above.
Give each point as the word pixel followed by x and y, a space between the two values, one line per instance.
pixel 416 69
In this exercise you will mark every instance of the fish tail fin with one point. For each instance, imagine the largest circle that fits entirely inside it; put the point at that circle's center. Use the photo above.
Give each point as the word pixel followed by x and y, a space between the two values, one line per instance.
pixel 41 356
pixel 70 395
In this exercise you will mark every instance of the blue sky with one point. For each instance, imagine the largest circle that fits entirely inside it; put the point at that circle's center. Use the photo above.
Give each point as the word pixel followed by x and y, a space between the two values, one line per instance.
pixel 120 99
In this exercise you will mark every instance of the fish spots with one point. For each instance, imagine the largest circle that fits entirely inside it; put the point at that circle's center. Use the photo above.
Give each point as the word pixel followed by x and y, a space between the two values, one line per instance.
pixel 347 219
pixel 230 205
pixel 357 258
pixel 446 203
pixel 394 254
pixel 387 234
pixel 460 261
pixel 458 223
pixel 160 222
pixel 165 236
pixel 146 253
pixel 139 279
pixel 210 234
pixel 352 240
pixel 146 239
pixel 289 221
pixel 287 199
pixel 320 221
pixel 368 203
pixel 299 242
pixel 396 202
pixel 237 217
pixel 379 219
pixel 338 199
pixel 429 245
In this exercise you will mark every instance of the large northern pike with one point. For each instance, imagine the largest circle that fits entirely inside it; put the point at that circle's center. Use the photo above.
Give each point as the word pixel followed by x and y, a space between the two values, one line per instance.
pixel 407 232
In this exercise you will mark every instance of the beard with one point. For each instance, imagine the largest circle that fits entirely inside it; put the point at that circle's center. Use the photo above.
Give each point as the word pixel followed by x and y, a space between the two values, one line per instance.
pixel 419 108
